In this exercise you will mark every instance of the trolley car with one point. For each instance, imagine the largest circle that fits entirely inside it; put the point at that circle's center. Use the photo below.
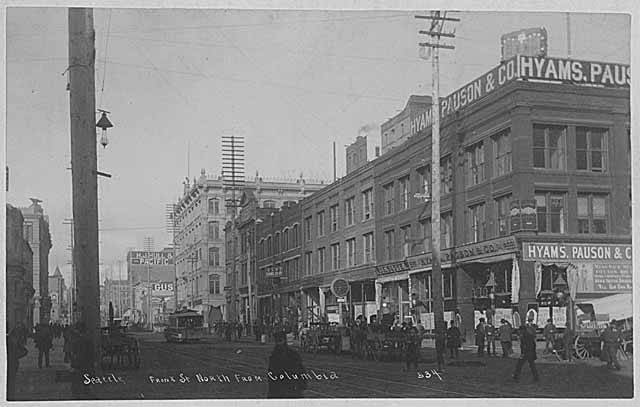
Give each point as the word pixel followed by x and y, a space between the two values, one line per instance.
pixel 185 326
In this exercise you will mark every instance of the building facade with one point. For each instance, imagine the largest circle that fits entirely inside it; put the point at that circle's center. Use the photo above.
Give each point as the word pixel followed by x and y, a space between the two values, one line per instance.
pixel 201 216
pixel 535 203
pixel 59 302
pixel 19 271
pixel 36 232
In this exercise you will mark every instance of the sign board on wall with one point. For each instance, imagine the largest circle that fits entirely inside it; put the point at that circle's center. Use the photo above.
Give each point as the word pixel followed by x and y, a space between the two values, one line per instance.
pixel 600 267
pixel 162 288
pixel 560 316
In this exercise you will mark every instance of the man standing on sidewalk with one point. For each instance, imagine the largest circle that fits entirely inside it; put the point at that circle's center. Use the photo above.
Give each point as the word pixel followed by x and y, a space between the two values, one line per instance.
pixel 480 336
pixel 611 338
pixel 549 333
pixel 527 350
pixel 491 338
pixel 504 332
pixel 44 343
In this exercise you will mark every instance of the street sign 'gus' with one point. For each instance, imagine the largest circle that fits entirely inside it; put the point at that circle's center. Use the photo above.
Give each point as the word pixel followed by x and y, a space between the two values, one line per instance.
pixel 340 287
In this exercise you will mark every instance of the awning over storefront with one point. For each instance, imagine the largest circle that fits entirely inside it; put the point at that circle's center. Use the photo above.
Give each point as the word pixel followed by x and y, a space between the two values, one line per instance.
pixel 618 306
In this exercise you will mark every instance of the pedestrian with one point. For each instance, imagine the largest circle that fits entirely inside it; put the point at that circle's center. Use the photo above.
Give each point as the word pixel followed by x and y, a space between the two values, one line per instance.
pixel 44 343
pixel 15 351
pixel 66 334
pixel 441 337
pixel 412 350
pixel 504 333
pixel 480 336
pixel 82 354
pixel 453 340
pixel 568 338
pixel 611 339
pixel 549 333
pixel 285 362
pixel 491 338
pixel 527 350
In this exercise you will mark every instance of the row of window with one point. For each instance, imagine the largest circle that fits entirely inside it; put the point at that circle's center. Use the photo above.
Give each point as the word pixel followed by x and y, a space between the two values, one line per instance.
pixel 350 215
pixel 368 255
pixel 549 148
pixel 283 241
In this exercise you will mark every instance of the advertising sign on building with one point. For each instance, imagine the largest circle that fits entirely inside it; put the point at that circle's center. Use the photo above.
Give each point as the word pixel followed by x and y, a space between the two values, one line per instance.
pixel 600 267
pixel 523 67
pixel 162 288
pixel 153 258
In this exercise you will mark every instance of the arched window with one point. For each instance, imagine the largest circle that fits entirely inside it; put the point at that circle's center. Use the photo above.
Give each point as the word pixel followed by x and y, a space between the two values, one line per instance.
pixel 269 204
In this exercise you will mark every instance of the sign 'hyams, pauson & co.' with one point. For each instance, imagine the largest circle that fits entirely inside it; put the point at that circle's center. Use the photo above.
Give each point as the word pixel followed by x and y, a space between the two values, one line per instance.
pixel 601 74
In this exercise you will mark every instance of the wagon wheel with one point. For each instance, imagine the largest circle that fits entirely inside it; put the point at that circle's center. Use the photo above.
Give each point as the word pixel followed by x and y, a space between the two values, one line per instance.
pixel 582 349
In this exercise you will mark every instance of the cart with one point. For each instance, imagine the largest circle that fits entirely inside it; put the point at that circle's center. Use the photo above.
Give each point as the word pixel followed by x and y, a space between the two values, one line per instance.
pixel 321 336
pixel 119 349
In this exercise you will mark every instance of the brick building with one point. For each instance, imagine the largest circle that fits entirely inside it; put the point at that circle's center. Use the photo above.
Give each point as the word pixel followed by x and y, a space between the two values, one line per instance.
pixel 535 202
pixel 203 269
pixel 19 271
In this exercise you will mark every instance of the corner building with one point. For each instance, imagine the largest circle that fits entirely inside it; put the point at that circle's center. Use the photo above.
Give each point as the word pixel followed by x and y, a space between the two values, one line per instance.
pixel 535 204
pixel 529 170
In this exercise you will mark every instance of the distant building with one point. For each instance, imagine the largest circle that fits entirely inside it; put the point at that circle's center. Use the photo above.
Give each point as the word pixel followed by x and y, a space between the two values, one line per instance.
pixel 118 293
pixel 356 154
pixel 19 271
pixel 145 270
pixel 36 232
pixel 57 292
pixel 201 215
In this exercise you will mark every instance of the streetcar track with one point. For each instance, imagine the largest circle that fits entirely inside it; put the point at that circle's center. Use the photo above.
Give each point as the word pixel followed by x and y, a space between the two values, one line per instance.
pixel 494 392
pixel 209 357
pixel 368 389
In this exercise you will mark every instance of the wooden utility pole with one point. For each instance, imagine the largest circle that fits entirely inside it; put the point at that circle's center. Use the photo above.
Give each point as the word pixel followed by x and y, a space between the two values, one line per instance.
pixel 437 23
pixel 84 169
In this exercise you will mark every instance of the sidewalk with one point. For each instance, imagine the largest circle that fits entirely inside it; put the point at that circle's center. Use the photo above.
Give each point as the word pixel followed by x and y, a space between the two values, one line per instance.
pixel 33 383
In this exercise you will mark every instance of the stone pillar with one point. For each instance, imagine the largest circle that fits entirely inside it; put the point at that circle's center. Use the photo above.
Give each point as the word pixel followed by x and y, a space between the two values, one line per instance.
pixel 527 288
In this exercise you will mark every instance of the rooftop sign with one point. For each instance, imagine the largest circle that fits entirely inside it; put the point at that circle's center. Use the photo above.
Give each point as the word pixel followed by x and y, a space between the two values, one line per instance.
pixel 521 67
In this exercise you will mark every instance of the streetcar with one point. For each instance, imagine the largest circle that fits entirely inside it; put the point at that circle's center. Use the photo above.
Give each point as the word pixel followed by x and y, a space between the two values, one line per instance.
pixel 185 326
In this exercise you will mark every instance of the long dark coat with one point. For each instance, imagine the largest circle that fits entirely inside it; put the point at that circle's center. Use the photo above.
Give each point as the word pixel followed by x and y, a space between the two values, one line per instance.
pixel 528 342
pixel 284 359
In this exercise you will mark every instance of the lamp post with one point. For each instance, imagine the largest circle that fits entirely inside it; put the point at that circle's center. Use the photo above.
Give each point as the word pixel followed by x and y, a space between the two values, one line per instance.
pixel 491 283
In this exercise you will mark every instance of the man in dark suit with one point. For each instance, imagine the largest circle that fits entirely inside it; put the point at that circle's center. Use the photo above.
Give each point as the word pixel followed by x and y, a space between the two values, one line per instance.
pixel 527 350
pixel 285 361
pixel 480 336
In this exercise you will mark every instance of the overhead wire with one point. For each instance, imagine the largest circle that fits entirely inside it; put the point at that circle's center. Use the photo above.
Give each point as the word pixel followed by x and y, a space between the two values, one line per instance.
pixel 106 53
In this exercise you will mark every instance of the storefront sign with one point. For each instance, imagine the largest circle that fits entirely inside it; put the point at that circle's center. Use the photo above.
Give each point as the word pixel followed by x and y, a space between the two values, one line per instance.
pixel 484 249
pixel 470 252
pixel 390 268
pixel 157 258
pixel 611 277
pixel 526 67
pixel 273 272
pixel 581 252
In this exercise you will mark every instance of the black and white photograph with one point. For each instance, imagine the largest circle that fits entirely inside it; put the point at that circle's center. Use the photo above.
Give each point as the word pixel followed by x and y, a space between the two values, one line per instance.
pixel 216 202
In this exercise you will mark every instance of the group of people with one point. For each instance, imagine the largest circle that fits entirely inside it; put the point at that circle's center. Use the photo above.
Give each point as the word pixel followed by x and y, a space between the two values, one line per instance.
pixel 43 335
pixel 486 335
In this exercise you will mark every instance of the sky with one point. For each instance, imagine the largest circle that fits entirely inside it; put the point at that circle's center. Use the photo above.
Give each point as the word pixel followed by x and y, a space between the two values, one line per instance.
pixel 175 80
